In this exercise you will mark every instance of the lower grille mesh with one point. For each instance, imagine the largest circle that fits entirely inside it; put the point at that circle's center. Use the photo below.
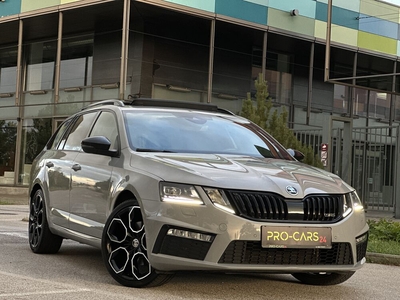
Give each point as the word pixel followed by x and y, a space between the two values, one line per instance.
pixel 362 250
pixel 251 252
pixel 187 248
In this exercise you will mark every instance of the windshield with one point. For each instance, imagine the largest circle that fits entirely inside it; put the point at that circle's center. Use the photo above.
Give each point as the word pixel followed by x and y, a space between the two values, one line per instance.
pixel 197 132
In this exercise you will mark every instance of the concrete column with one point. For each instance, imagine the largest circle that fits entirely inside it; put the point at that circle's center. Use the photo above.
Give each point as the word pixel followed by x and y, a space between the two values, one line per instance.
pixel 346 154
pixel 18 90
pixel 310 83
pixel 124 48
pixel 264 55
pixel 18 102
pixel 211 62
pixel 58 59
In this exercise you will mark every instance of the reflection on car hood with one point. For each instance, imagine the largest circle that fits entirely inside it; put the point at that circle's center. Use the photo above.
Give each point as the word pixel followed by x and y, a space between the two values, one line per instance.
pixel 240 172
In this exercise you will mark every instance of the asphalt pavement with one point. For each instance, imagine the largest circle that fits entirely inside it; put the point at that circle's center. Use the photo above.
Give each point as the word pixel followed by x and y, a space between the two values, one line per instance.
pixel 78 272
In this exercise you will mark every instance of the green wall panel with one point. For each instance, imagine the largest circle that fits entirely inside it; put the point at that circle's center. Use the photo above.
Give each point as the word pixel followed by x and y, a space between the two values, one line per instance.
pixel 377 43
pixel 68 1
pixel 283 20
pixel 344 35
pixel 339 34
pixel 398 48
pixel 320 29
pixel 28 5
pixel 306 8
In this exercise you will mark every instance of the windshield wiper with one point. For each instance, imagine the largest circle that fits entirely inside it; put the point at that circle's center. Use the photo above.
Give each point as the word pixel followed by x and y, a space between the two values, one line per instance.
pixel 152 150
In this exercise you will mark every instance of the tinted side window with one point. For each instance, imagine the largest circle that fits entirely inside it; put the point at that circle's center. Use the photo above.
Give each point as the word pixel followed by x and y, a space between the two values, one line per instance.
pixel 79 131
pixel 59 134
pixel 106 125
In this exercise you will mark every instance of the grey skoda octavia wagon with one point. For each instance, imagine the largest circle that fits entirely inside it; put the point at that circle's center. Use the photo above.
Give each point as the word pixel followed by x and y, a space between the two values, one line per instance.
pixel 166 186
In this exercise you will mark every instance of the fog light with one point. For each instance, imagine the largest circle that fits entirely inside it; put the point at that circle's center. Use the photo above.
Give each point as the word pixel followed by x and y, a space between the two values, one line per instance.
pixel 361 239
pixel 190 235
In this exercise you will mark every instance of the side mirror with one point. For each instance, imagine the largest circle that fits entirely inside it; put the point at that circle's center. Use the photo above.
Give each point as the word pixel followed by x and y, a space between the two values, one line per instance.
pixel 296 154
pixel 98 145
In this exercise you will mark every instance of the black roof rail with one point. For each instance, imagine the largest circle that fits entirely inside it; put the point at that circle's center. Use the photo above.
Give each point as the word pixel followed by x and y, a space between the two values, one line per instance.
pixel 178 104
pixel 106 102
pixel 225 111
pixel 161 103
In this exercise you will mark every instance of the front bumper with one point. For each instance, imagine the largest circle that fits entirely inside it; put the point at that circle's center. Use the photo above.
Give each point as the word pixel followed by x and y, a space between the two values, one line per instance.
pixel 235 245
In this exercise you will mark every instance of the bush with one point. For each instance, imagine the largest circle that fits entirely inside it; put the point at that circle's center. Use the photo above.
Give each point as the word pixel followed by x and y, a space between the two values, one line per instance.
pixel 384 230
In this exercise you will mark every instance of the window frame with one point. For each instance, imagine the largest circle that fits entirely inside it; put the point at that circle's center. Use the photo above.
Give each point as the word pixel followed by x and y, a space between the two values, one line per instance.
pixel 118 141
pixel 76 118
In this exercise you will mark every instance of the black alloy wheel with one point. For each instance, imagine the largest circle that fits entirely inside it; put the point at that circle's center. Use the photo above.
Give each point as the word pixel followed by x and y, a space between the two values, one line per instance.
pixel 41 240
pixel 124 248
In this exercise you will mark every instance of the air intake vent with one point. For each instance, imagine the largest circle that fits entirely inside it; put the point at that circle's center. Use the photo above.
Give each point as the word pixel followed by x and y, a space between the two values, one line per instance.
pixel 251 253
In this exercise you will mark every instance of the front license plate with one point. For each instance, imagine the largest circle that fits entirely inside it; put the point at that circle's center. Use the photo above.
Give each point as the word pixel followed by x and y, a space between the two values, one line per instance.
pixel 296 237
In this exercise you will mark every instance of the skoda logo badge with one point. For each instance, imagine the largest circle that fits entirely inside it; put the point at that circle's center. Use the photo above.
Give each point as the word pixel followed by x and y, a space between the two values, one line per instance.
pixel 291 190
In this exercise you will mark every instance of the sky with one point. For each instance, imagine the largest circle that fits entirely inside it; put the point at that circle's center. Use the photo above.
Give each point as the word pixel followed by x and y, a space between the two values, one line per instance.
pixel 394 2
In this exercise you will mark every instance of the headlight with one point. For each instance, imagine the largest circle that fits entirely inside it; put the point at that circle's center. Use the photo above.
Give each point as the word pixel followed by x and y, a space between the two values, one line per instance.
pixel 219 199
pixel 179 193
pixel 352 201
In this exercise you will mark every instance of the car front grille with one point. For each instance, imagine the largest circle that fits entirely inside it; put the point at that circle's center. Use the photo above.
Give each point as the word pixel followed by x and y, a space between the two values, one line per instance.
pixel 251 252
pixel 260 206
pixel 322 208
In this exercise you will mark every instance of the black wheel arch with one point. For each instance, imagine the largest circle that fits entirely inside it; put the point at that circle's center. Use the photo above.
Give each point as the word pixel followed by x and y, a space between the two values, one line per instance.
pixel 123 196
pixel 35 187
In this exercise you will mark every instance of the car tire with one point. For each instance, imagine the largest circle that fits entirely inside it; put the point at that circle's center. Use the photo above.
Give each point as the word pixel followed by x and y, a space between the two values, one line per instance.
pixel 41 239
pixel 322 278
pixel 124 248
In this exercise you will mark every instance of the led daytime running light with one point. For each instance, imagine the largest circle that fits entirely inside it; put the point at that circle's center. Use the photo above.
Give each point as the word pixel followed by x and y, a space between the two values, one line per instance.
pixel 190 235
pixel 180 193
pixel 181 200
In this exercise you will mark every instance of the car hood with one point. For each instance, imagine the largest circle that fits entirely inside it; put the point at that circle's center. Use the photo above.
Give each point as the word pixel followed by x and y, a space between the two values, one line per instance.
pixel 240 172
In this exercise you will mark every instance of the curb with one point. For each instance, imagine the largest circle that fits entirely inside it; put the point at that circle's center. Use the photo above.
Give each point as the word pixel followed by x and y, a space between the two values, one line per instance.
pixel 14 200
pixel 383 259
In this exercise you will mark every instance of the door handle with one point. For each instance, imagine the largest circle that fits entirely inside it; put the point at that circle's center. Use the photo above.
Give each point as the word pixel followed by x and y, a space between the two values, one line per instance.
pixel 49 164
pixel 76 167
